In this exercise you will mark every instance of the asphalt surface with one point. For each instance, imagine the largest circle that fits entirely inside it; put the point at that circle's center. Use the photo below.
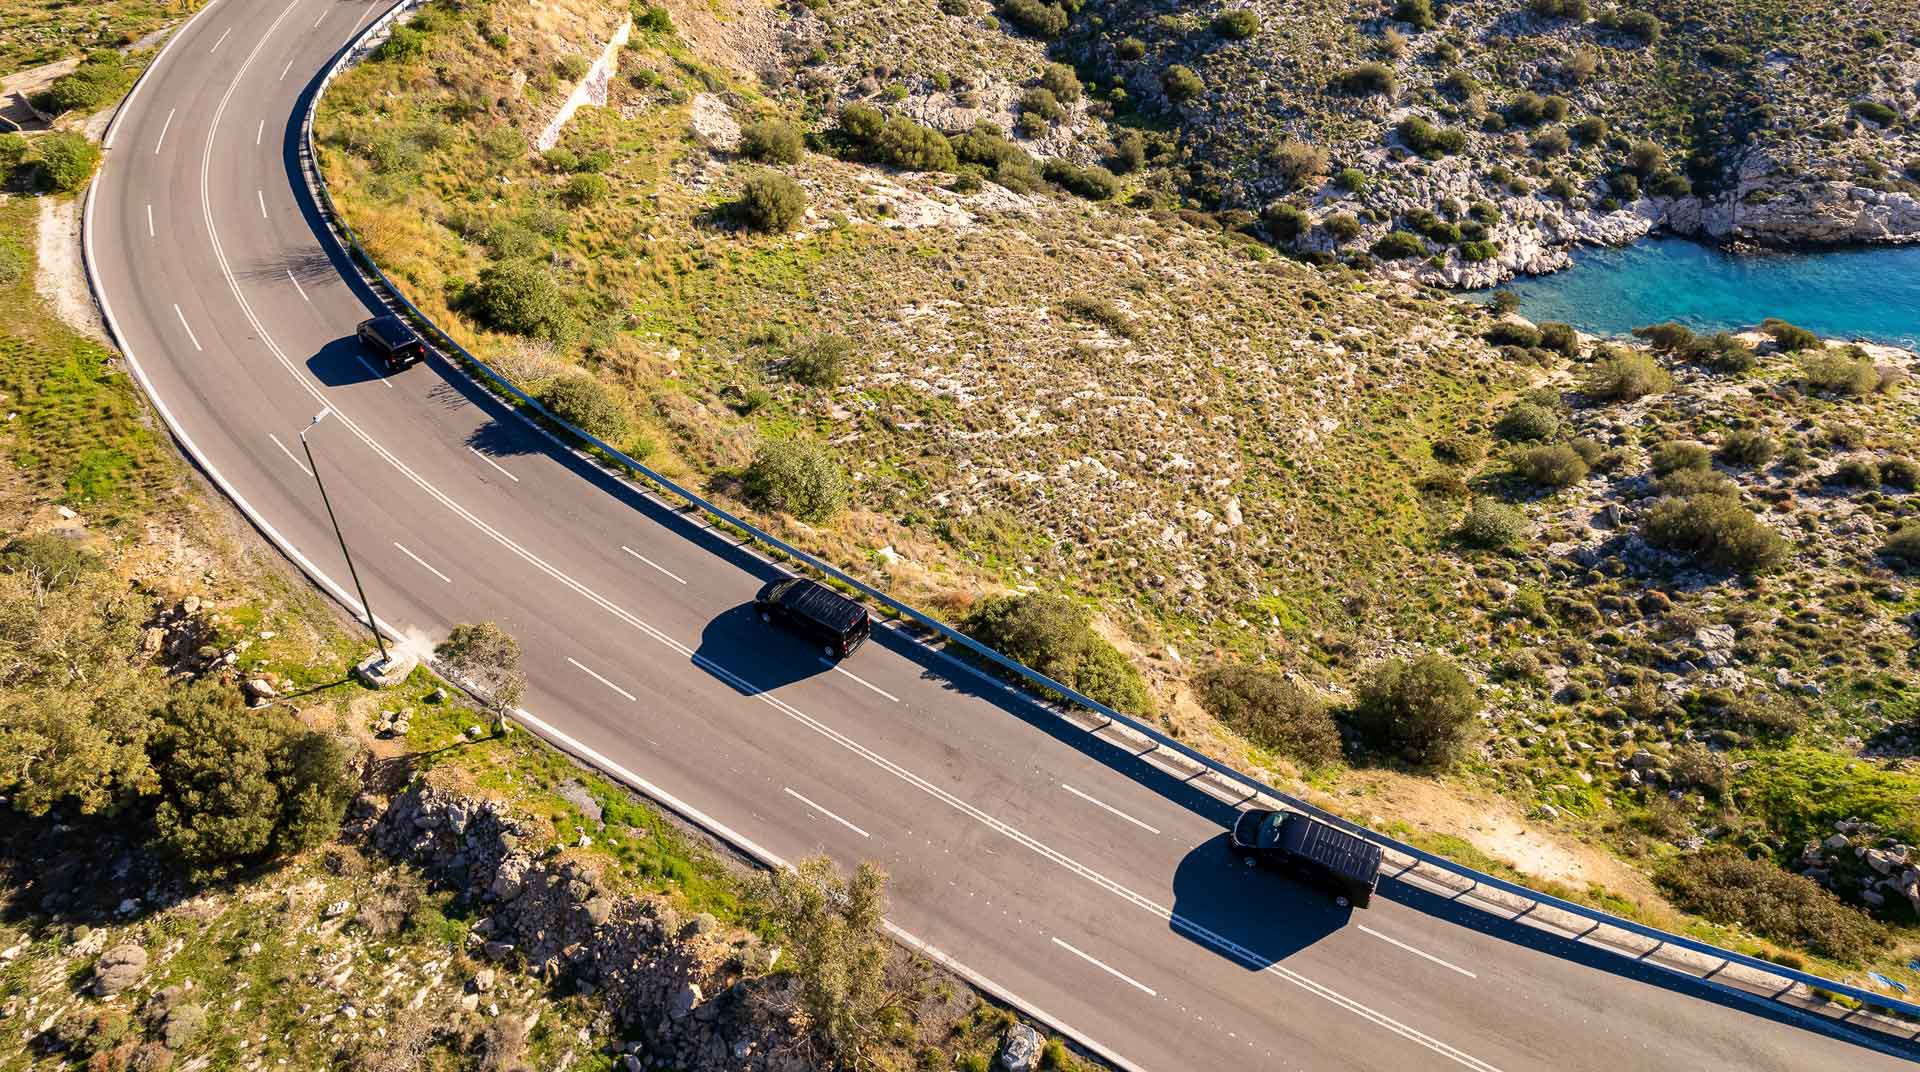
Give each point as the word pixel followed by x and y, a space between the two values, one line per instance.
pixel 1087 883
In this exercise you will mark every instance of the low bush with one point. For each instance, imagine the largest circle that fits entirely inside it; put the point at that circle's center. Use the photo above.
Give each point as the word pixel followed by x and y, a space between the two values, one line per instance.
pixel 1747 448
pixel 1285 221
pixel 1678 456
pixel 1560 338
pixel 1428 140
pixel 1399 245
pixel 1416 13
pixel 797 477
pixel 403 45
pixel 771 141
pixel 50 560
pixel 1422 711
pixel 1101 311
pixel 1181 84
pixel 1716 529
pixel 1090 181
pixel 1843 371
pixel 903 143
pixel 1352 180
pixel 96 82
pixel 1559 9
pixel 1342 226
pixel 1903 546
pixel 1297 163
pixel 771 202
pixel 820 361
pixel 1459 449
pixel 1041 102
pixel 1552 466
pixel 1367 79
pixel 1857 473
pixel 1061 81
pixel 1902 473
pixel 1622 376
pixel 1725 886
pixel 1790 338
pixel 65 161
pixel 1036 17
pixel 1491 524
pixel 1643 26
pixel 589 405
pixel 1272 712
pixel 1054 635
pixel 1722 352
pixel 586 189
pixel 1237 23
pixel 1875 112
pixel 652 18
pixel 1513 333
pixel 520 296
pixel 1527 422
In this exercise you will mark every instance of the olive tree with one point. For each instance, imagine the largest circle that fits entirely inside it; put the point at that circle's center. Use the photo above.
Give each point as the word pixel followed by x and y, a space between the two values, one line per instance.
pixel 485 658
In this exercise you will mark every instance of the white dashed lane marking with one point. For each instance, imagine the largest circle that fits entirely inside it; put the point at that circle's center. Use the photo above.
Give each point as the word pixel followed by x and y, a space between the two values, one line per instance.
pixel 1109 969
pixel 290 455
pixel 578 665
pixel 838 669
pixel 1418 952
pixel 652 563
pixel 1108 807
pixel 495 464
pixel 422 562
pixel 222 41
pixel 164 127
pixel 183 323
pixel 825 812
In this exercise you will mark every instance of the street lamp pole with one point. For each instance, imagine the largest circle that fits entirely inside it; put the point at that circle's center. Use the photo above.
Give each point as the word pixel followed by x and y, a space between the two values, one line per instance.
pixel 314 467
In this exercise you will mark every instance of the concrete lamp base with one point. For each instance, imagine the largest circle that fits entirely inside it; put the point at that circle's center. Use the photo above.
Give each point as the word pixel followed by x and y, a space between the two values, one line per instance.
pixel 377 673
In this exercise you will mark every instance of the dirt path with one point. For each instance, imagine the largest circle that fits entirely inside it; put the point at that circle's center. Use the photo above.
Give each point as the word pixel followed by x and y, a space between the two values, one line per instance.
pixel 62 278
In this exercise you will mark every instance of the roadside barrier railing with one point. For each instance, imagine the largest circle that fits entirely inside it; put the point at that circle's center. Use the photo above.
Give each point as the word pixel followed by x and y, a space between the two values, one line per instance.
pixel 1538 905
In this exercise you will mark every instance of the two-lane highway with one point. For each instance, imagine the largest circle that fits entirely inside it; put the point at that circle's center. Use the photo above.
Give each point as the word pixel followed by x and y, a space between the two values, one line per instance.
pixel 1086 882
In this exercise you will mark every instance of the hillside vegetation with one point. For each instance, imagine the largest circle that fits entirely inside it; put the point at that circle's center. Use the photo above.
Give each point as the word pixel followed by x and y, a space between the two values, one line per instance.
pixel 1341 527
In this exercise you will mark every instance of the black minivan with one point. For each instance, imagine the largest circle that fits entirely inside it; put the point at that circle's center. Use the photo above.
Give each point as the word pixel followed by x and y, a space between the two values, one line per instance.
pixel 395 342
pixel 1311 851
pixel 838 624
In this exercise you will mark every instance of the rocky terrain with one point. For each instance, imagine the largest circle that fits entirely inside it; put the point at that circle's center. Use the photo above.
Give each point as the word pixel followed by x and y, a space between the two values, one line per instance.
pixel 1671 571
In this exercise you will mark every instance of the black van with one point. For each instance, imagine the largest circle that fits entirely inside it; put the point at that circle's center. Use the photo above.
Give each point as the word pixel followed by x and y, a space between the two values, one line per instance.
pixel 393 340
pixel 822 615
pixel 1307 849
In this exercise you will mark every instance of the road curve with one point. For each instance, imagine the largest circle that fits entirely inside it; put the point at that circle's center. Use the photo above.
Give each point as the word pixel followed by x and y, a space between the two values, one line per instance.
pixel 1082 881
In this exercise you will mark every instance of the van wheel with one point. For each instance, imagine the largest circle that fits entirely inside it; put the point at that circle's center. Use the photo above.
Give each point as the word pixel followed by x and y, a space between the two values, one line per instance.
pixel 1342 902
pixel 830 652
pixel 766 616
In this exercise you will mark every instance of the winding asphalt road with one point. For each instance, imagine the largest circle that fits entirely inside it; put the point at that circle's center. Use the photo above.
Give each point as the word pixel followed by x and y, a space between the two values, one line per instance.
pixel 1084 882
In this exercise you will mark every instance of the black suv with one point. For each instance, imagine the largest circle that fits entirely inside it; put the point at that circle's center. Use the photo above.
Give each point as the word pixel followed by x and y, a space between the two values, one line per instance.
pixel 393 340
pixel 822 615
pixel 1307 849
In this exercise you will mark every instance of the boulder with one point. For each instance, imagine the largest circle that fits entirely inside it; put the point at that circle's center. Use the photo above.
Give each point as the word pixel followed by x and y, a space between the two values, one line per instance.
pixel 684 1001
pixel 1019 1050
pixel 118 968
pixel 509 879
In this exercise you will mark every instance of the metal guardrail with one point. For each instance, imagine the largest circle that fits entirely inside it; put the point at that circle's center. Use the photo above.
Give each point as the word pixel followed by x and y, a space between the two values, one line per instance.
pixel 1208 765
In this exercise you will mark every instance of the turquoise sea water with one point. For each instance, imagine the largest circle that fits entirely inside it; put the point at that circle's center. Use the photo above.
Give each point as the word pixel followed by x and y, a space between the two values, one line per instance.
pixel 1855 293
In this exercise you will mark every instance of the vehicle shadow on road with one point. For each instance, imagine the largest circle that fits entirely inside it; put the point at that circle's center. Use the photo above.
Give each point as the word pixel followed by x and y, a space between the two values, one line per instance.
pixel 1247 915
pixel 343 362
pixel 753 656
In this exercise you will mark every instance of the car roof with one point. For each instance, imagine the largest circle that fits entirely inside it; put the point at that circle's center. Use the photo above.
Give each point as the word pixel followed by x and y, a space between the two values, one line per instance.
pixel 1343 853
pixel 822 604
pixel 391 328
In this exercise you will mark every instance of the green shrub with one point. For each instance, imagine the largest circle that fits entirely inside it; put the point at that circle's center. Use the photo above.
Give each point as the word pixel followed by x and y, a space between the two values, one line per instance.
pixel 1527 422
pixel 561 158
pixel 1061 81
pixel 1416 13
pixel 1491 524
pixel 1512 333
pixel 1748 448
pixel 1718 530
pixel 1367 79
pixel 1875 112
pixel 405 44
pixel 1725 886
pixel 1342 226
pixel 818 362
pixel 521 297
pixel 95 83
pixel 1428 140
pixel 571 67
pixel 1559 9
pixel 653 18
pixel 1040 19
pixel 1297 163
pixel 1856 473
pixel 1053 635
pixel 1788 337
pixel 1644 26
pixel 1285 221
pixel 1101 311
pixel 1181 84
pixel 770 202
pixel 1591 130
pixel 797 477
pixel 862 123
pixel 1041 102
pixel 1423 711
pixel 50 560
pixel 1554 466
pixel 1130 48
pixel 236 786
pixel 1560 338
pixel 1722 352
pixel 1670 337
pixel 584 402
pixel 1678 456
pixel 65 160
pixel 1459 449
pixel 1903 546
pixel 1902 473
pixel 1238 23
pixel 1552 142
pixel 13 150
pixel 903 143
pixel 1843 371
pixel 586 189
pixel 1399 245
pixel 1129 152
pixel 1623 375
pixel 771 141
pixel 1479 251
pixel 1352 180
pixel 1090 181
pixel 1272 712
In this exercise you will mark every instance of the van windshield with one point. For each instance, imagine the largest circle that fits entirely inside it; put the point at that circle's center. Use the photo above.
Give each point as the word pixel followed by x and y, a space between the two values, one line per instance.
pixel 1268 833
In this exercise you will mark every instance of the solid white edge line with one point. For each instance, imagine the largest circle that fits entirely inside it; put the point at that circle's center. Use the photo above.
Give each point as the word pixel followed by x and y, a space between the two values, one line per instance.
pixel 162 140
pixel 583 668
pixel 1108 968
pixel 291 456
pixel 1418 952
pixel 824 812
pixel 183 323
pixel 838 669
pixel 222 41
pixel 422 562
pixel 296 286
pixel 1103 804
pixel 651 562
pixel 476 453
